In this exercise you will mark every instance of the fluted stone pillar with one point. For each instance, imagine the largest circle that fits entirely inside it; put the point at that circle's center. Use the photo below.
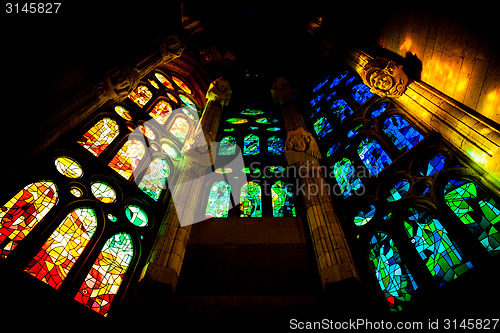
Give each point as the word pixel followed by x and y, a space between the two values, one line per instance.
pixel 332 252
pixel 166 259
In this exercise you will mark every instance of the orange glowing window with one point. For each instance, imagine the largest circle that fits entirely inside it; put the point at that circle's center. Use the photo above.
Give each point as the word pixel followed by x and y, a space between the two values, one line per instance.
pixel 164 81
pixel 182 85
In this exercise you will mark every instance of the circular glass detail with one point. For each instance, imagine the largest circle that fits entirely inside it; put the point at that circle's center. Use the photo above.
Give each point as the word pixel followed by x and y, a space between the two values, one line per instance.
pixel 68 167
pixel 223 170
pixel 103 192
pixel 76 192
pixel 136 215
pixel 433 165
pixel 364 216
pixel 398 191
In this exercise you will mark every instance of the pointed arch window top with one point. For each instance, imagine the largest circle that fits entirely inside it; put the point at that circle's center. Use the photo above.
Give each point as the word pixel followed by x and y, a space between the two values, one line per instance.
pixel 100 136
pixel 251 200
pixel 401 133
pixel 218 200
pixel 128 158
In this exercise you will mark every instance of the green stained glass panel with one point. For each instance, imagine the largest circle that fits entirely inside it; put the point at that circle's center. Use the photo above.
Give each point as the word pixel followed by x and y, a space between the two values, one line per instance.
pixel 364 215
pixel 250 200
pixel 155 178
pixel 227 146
pixel 322 127
pixel 346 177
pixel 136 215
pixel 218 200
pixel 398 191
pixel 282 200
pixel 251 145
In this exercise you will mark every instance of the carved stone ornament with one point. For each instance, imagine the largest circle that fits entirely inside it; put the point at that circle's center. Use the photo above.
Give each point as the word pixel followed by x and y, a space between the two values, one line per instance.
pixel 282 90
pixel 219 91
pixel 197 149
pixel 172 47
pixel 118 84
pixel 301 148
pixel 384 77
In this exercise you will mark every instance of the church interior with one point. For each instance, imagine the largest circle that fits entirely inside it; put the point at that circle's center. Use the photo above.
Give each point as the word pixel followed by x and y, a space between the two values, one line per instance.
pixel 230 166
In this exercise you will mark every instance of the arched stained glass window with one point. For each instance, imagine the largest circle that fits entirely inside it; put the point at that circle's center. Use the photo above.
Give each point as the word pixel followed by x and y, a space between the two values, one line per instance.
pixel 181 84
pixel 361 93
pixel 441 255
pixel 155 178
pixel 218 200
pixel 180 128
pixel 128 158
pixel 282 200
pixel 106 275
pixel 100 136
pixel 161 111
pixel 346 177
pixel 341 110
pixel 364 216
pixel 63 248
pixel 23 212
pixel 251 145
pixel 275 145
pixel 393 276
pixel 401 133
pixel 250 200
pixel 141 95
pixel 164 81
pixel 433 165
pixel 322 127
pixel 227 146
pixel 477 210
pixel 373 156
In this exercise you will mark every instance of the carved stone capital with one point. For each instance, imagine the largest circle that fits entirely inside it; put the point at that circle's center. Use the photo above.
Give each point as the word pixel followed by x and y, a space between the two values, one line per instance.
pixel 172 47
pixel 384 77
pixel 197 151
pixel 118 84
pixel 282 91
pixel 219 91
pixel 301 148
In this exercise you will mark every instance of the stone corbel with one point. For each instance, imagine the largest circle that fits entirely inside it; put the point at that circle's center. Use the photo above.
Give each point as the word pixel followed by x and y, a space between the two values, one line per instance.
pixel 118 84
pixel 384 77
pixel 301 148
pixel 172 48
pixel 219 91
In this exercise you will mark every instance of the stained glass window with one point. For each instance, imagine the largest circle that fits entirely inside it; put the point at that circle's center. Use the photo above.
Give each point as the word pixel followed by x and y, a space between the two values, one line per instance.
pixel 337 79
pixel 155 178
pixel 227 146
pixel 100 136
pixel 169 150
pixel 346 177
pixel 373 156
pixel 147 131
pixel 332 149
pixel 377 112
pixel 433 165
pixel 401 133
pixel 63 248
pixel 322 127
pixel 164 81
pixel 236 121
pixel 136 215
pixel 353 132
pixel 141 95
pixel 251 145
pixel 161 111
pixel 282 200
pixel 275 145
pixel 361 93
pixel 76 191
pixel 364 216
pixel 218 200
pixel 154 84
pixel 398 191
pixel 392 274
pixel 180 128
pixel 341 110
pixel 251 112
pixel 273 129
pixel 320 85
pixel 441 255
pixel 106 275
pixel 128 158
pixel 68 167
pixel 316 99
pixel 23 212
pixel 266 121
pixel 250 200
pixel 182 85
pixel 103 192
pixel 122 112
pixel 477 210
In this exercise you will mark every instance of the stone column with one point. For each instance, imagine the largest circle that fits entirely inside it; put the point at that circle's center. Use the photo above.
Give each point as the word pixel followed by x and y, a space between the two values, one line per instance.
pixel 332 252
pixel 165 262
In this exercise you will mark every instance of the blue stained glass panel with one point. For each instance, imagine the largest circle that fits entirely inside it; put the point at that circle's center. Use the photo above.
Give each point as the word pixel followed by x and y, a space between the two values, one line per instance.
pixel 345 174
pixel 398 191
pixel 361 93
pixel 251 145
pixel 373 156
pixel 341 110
pixel 337 79
pixel 227 146
pixel 275 146
pixel 322 127
pixel 401 133
pixel 378 111
pixel 435 164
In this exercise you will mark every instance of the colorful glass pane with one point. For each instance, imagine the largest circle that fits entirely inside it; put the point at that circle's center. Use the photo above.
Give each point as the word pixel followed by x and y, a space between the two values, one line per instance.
pixel 322 127
pixel 68 167
pixel 332 149
pixel 435 164
pixel 141 95
pixel 227 146
pixel 236 121
pixel 128 158
pixel 316 99
pixel 250 112
pixel 169 150
pixel 361 93
pixel 353 132
pixel 136 215
pixel 180 128
pixel 153 83
pixel 273 129
pixel 63 248
pixel 320 85
pixel 100 136
pixel 218 200
pixel 346 177
pixel 441 255
pixel 398 191
pixel 266 121
pixel 148 132
pixel 164 81
pixel 250 200
pixel 337 79
pixel 103 192
pixel 23 212
pixel 401 133
pixel 378 111
pixel 182 85
pixel 393 276
pixel 275 146
pixel 76 191
pixel 172 97
pixel 364 216
pixel 122 112
pixel 478 211
pixel 251 145
pixel 282 200
pixel 106 275
pixel 161 111
pixel 373 156
pixel 341 110
pixel 155 178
